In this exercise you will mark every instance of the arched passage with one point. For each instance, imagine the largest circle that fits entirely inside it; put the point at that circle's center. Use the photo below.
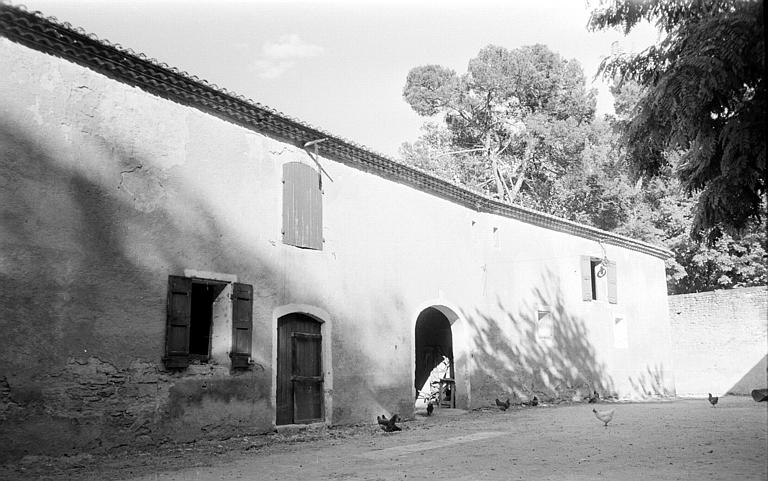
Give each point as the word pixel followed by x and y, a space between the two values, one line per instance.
pixel 434 357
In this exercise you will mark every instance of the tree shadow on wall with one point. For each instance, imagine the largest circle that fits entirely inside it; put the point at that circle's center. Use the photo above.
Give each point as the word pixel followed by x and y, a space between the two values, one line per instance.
pixel 651 383
pixel 513 356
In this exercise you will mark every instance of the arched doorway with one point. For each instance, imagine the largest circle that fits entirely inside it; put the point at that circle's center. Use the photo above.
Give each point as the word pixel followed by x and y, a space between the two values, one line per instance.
pixel 299 396
pixel 434 370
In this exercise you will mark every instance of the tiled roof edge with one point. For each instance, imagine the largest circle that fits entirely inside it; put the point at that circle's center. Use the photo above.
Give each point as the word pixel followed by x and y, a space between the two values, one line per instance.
pixel 48 35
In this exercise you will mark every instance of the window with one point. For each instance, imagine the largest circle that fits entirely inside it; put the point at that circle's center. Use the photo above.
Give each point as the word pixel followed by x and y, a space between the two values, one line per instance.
pixel 199 311
pixel 302 206
pixel 544 324
pixel 598 279
pixel 620 337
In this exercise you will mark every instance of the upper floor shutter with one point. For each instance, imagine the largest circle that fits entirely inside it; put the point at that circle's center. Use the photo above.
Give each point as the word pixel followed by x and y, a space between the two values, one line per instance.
pixel 302 206
pixel 612 283
pixel 586 278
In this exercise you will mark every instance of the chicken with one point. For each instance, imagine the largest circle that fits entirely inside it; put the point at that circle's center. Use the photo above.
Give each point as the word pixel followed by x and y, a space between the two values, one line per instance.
pixel 389 425
pixel 532 402
pixel 430 408
pixel 713 399
pixel 503 405
pixel 594 397
pixel 604 416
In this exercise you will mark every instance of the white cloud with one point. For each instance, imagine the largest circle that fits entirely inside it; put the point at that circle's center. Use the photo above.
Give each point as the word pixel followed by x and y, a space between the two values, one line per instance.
pixel 290 46
pixel 277 57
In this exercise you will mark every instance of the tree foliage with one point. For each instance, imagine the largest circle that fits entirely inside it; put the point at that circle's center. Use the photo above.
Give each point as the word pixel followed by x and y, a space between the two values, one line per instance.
pixel 578 167
pixel 515 114
pixel 704 97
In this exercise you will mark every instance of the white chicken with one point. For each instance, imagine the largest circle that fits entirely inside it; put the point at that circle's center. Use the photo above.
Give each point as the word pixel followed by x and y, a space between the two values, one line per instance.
pixel 604 416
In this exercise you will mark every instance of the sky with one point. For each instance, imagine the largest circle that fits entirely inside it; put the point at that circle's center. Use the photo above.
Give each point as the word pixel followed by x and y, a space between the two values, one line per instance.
pixel 341 65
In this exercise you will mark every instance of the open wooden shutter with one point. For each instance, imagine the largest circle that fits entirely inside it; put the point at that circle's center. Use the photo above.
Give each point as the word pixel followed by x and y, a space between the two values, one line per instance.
pixel 302 206
pixel 586 278
pixel 612 284
pixel 242 325
pixel 177 324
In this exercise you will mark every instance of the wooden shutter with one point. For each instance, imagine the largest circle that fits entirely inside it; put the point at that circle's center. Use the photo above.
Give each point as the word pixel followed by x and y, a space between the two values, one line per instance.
pixel 302 206
pixel 178 322
pixel 612 284
pixel 242 325
pixel 586 278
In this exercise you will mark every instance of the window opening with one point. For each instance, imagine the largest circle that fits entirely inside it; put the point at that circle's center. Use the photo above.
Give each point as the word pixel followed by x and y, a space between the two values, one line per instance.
pixel 200 321
pixel 594 266
pixel 195 309
pixel 544 324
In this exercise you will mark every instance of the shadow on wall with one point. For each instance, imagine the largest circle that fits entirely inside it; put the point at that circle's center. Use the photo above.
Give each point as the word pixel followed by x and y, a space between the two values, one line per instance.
pixel 755 378
pixel 82 305
pixel 518 355
pixel 371 359
pixel 651 383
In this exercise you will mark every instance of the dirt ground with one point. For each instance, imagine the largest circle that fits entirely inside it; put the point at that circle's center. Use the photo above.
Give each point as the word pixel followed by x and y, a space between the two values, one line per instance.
pixel 684 439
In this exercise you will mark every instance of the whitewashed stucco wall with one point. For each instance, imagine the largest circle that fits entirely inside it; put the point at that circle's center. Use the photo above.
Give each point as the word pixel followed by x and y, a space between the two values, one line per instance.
pixel 107 190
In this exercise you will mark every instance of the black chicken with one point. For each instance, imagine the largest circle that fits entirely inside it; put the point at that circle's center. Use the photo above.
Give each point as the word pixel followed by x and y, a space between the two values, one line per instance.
pixel 503 405
pixel 713 399
pixel 389 425
pixel 532 402
pixel 430 408
pixel 594 397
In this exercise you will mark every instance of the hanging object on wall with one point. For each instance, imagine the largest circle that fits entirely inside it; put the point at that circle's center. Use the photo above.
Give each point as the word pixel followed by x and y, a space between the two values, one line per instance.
pixel 315 156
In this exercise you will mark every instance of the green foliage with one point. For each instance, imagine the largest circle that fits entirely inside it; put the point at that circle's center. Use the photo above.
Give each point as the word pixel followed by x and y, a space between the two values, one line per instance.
pixel 704 97
pixel 539 127
pixel 729 262
pixel 512 123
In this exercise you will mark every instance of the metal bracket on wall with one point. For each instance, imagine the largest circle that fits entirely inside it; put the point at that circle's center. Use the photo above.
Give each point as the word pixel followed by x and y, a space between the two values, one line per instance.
pixel 315 157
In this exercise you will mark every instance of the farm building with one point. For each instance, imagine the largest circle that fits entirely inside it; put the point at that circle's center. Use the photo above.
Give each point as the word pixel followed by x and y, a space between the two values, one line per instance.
pixel 177 262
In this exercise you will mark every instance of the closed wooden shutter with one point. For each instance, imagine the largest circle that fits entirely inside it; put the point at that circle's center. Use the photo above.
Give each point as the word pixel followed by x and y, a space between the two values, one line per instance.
pixel 242 324
pixel 178 322
pixel 612 284
pixel 586 278
pixel 302 206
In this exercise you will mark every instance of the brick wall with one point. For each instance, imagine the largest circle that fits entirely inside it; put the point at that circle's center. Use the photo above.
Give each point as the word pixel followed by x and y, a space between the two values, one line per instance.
pixel 720 341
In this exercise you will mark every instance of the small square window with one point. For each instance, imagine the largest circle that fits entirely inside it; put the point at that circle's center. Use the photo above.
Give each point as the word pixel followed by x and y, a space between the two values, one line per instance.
pixel 544 324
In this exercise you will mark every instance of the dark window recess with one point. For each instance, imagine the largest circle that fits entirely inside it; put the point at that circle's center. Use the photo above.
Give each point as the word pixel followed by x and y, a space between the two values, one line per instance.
pixel 593 269
pixel 594 266
pixel 302 206
pixel 200 320
pixel 190 321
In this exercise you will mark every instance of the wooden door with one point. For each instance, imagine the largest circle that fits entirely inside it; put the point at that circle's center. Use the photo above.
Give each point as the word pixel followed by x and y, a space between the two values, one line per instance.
pixel 299 370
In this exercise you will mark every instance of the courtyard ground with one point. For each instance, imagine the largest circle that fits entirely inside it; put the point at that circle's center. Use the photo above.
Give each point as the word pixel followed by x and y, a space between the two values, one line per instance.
pixel 683 439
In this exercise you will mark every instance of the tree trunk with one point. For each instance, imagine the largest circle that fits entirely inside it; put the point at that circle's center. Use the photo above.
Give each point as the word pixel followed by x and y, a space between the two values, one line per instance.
pixel 527 156
pixel 494 166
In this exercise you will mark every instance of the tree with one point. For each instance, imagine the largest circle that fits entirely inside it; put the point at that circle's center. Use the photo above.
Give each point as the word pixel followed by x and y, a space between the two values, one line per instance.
pixel 515 115
pixel 704 97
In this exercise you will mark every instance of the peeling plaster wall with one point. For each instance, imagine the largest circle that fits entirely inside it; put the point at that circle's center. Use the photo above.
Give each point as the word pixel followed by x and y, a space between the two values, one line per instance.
pixel 107 190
